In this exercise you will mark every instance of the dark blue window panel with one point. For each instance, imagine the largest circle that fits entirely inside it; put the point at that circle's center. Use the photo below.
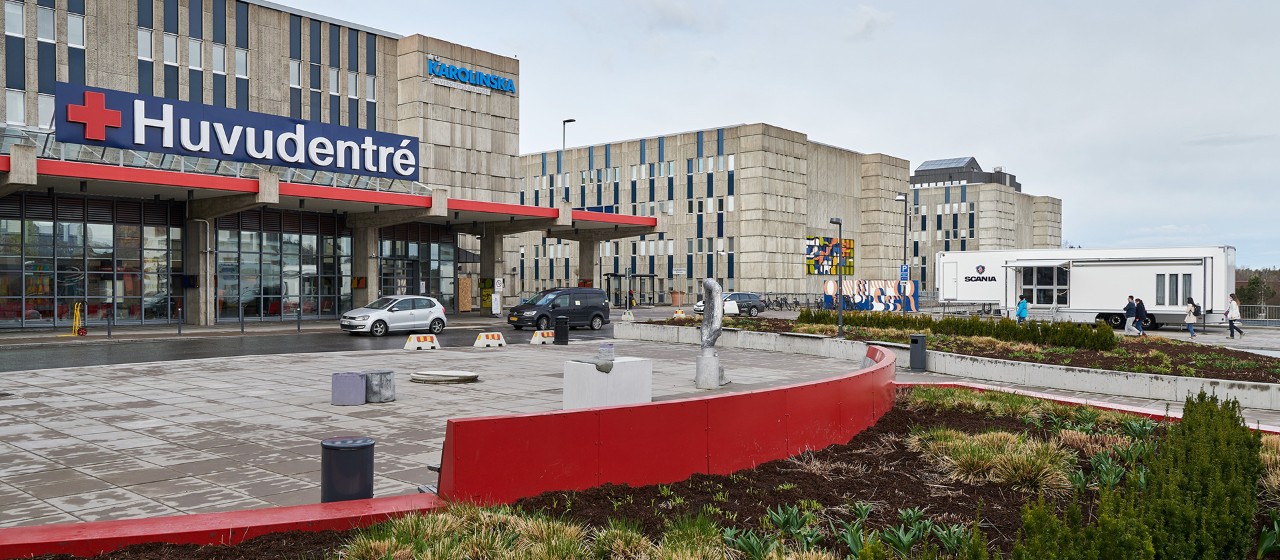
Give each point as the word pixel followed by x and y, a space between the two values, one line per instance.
pixel 219 9
pixel 242 25
pixel 353 50
pixel 699 145
pixel 719 224
pixel 671 188
pixel 633 264
pixel 566 191
pixel 916 194
pixel 551 191
pixel 295 103
pixel 633 192
pixel 536 197
pixel 616 260
pixel 924 223
pixel 688 265
pixel 962 244
pixel 699 226
pixel 662 150
pixel 551 269
pixel 522 265
pixel 46 66
pixel 607 157
pixel 939 221
pixel 652 260
pixel 671 264
pixel 335 46
pixel 559 162
pixel 915 248
pixel 537 274
pixel 170 16
pixel 47 3
pixel 642 152
pixel 371 115
pixel 522 199
pixel 219 90
pixel 651 190
pixel 371 54
pixel 955 221
pixel 75 6
pixel 314 51
pixel 170 81
pixel 729 270
pixel 314 72
pixel 195 86
pixel 729 185
pixel 711 266
pixel 711 186
pixel 75 66
pixel 15 62
pixel 145 17
pixel 689 163
pixel 195 19
pixel 591 157
pixel 600 196
pixel 662 235
pixel 353 112
pixel 295 37
pixel 317 106
pixel 582 195
pixel 335 110
pixel 242 94
pixel 946 195
pixel 964 193
pixel 688 192
pixel 544 163
pixel 946 245
pixel 616 196
pixel 719 141
pixel 145 78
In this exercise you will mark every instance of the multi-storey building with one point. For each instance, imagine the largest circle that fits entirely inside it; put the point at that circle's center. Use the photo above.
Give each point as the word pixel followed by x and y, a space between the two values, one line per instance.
pixel 204 160
pixel 956 206
pixel 742 204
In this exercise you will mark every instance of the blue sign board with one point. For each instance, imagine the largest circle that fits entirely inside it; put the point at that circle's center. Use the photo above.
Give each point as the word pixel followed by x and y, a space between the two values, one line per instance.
pixel 468 76
pixel 904 273
pixel 103 117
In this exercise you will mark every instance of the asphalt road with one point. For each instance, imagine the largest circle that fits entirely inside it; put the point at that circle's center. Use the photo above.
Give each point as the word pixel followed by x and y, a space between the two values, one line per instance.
pixel 127 351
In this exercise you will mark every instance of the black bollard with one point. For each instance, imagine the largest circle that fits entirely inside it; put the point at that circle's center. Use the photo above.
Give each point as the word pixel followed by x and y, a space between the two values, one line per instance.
pixel 346 469
pixel 562 331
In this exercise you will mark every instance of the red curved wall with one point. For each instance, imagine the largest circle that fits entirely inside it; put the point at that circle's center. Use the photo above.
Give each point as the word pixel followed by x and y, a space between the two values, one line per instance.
pixel 500 459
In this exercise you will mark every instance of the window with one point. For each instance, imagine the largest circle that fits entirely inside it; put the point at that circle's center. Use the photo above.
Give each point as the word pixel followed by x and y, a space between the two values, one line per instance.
pixel 1186 285
pixel 220 59
pixel 369 89
pixel 1046 285
pixel 353 82
pixel 14 19
pixel 1159 289
pixel 194 54
pixel 75 30
pixel 170 49
pixel 242 65
pixel 44 110
pixel 1173 289
pixel 334 84
pixel 295 74
pixel 144 44
pixel 15 105
pixel 45 28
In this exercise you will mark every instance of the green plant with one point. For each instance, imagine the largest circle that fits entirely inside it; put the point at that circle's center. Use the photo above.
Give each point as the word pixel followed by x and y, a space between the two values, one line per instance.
pixel 1269 539
pixel 788 519
pixel 901 539
pixel 620 539
pixel 849 534
pixel 1106 470
pixel 752 545
pixel 1079 480
pixel 911 515
pixel 786 486
pixel 951 537
pixel 1138 428
pixel 696 532
pixel 862 511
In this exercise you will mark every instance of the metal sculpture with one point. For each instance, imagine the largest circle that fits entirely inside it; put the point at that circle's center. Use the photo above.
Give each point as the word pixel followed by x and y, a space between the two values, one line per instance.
pixel 710 374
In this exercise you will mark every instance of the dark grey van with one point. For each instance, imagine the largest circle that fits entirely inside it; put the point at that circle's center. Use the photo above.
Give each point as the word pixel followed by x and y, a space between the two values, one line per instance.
pixel 585 307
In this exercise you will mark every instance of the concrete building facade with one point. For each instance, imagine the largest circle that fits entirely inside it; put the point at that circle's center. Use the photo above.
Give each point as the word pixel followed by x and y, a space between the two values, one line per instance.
pixel 738 204
pixel 956 206
pixel 180 232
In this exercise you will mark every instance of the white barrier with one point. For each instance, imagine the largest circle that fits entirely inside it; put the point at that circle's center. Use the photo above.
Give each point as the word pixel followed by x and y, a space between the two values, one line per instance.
pixel 628 316
pixel 489 340
pixel 679 314
pixel 543 337
pixel 422 342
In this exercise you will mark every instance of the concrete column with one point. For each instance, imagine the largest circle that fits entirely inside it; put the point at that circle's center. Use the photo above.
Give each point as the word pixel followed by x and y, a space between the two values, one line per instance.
pixel 588 250
pixel 364 263
pixel 22 170
pixel 491 255
pixel 200 304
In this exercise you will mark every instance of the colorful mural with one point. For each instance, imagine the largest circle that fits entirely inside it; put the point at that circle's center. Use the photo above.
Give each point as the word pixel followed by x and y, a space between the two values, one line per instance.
pixel 821 255
pixel 874 295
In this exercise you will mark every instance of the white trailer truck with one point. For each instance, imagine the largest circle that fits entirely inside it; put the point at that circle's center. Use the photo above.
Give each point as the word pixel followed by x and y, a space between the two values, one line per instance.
pixel 1086 285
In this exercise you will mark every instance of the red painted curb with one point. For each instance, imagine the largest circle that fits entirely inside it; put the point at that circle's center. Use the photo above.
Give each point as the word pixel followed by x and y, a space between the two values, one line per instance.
pixel 90 539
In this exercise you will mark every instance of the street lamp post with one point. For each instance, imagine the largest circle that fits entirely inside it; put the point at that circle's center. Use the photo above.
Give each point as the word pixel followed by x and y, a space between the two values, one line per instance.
pixel 903 197
pixel 564 125
pixel 840 274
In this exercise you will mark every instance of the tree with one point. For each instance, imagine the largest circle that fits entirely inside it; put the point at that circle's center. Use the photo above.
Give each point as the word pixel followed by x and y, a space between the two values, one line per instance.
pixel 1256 292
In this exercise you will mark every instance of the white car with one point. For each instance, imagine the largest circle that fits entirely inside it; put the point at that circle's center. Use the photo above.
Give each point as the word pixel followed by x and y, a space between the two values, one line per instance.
pixel 396 313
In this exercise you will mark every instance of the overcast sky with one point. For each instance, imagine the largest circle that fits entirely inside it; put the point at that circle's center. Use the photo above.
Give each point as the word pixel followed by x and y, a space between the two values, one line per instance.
pixel 1156 122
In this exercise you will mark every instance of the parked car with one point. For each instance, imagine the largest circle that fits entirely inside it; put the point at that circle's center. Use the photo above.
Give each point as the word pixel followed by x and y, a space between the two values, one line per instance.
pixel 396 313
pixel 585 307
pixel 748 303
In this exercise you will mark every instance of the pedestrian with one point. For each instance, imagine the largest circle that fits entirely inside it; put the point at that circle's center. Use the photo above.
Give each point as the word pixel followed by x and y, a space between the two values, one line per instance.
pixel 1140 316
pixel 1130 312
pixel 1190 319
pixel 1022 309
pixel 1233 315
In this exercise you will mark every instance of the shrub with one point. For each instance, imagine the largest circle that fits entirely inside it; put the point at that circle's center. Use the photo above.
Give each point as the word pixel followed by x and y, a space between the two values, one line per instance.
pixel 1068 335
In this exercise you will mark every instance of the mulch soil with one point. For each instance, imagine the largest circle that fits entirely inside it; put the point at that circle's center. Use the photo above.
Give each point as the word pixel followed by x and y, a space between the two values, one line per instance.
pixel 293 545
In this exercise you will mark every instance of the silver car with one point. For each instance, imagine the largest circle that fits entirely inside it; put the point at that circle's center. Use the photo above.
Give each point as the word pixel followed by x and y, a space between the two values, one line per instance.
pixel 396 313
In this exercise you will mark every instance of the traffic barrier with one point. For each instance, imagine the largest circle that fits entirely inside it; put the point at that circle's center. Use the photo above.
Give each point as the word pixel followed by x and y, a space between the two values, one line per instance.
pixel 679 314
pixel 543 337
pixel 628 316
pixel 422 342
pixel 489 340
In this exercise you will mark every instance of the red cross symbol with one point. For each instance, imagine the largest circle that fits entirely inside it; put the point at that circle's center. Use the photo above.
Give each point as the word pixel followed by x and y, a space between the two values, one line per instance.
pixel 94 115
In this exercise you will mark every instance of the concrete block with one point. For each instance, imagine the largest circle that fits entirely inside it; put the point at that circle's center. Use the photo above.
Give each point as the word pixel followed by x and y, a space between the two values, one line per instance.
pixel 347 389
pixel 630 382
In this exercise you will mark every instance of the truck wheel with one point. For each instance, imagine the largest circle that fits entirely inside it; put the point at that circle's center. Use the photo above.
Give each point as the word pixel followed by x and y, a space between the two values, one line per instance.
pixel 544 323
pixel 1116 321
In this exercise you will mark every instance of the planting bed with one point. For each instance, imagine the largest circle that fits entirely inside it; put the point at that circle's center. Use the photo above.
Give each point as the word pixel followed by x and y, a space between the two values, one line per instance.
pixel 294 545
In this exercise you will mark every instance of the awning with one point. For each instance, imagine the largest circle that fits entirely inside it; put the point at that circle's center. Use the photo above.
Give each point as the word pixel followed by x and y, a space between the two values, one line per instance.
pixel 1030 263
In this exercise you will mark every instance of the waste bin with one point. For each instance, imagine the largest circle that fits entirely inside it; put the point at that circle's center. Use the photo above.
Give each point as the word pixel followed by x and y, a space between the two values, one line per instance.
pixel 562 331
pixel 917 352
pixel 347 389
pixel 380 386
pixel 346 469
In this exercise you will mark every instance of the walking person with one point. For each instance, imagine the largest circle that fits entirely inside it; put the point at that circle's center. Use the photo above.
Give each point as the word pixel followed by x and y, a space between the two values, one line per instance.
pixel 1190 319
pixel 1140 316
pixel 1130 312
pixel 1022 309
pixel 1233 315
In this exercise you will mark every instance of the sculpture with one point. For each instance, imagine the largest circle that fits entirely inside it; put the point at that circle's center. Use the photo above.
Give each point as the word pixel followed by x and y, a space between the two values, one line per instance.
pixel 710 374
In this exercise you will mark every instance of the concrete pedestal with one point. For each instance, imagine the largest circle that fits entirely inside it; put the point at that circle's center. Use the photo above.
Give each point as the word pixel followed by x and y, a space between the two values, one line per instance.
pixel 347 389
pixel 709 373
pixel 630 382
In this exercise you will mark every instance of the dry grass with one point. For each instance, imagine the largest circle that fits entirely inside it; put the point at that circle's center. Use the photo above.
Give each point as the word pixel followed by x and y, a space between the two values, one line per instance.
pixel 997 457
pixel 807 462
pixel 1270 481
pixel 1091 444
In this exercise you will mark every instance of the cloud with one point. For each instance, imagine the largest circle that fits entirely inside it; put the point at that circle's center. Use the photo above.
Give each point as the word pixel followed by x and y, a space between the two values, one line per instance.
pixel 678 15
pixel 1226 139
pixel 863 21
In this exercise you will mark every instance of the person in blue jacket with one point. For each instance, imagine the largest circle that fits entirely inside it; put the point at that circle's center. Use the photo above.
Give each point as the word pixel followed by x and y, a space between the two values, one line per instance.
pixel 1140 316
pixel 1022 309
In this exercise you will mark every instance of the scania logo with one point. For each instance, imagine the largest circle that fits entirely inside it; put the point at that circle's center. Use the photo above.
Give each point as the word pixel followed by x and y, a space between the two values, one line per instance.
pixel 981 269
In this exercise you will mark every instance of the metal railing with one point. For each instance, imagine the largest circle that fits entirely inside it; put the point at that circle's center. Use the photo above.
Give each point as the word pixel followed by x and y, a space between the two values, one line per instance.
pixel 1260 315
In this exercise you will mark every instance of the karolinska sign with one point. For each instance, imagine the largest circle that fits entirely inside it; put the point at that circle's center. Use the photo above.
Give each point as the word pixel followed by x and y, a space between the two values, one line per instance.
pixel 466 75
pixel 129 121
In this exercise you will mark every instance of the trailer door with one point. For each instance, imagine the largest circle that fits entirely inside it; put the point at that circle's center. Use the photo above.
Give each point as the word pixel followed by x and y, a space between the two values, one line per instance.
pixel 950 278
